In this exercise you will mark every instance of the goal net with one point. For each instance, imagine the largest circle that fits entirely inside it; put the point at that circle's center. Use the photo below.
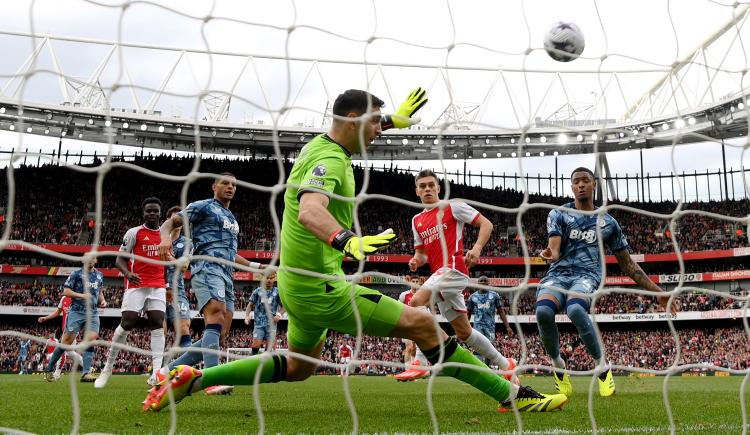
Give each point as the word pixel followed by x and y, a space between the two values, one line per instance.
pixel 125 100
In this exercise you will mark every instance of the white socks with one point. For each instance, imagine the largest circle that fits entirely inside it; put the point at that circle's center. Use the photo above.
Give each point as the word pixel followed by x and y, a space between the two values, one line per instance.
pixel 484 346
pixel 157 347
pixel 120 337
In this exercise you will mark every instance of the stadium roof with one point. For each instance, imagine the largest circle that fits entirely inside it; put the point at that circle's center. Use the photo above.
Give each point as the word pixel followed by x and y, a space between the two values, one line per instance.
pixel 518 101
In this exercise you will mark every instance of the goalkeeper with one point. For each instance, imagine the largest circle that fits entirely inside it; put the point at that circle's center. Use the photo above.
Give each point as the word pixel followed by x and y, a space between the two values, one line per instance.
pixel 315 237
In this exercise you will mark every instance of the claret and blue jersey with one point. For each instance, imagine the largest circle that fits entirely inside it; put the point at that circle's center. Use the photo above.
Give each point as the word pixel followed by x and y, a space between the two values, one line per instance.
pixel 579 249
pixel 214 232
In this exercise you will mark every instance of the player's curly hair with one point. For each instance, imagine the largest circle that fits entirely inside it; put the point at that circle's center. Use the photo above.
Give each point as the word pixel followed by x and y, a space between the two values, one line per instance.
pixel 151 200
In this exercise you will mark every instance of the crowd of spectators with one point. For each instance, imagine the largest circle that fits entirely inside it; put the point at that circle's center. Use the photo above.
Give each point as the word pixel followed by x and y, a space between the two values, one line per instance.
pixel 48 211
pixel 727 347
pixel 37 293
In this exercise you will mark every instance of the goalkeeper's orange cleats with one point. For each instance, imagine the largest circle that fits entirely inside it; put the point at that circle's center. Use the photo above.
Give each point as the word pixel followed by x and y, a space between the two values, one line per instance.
pixel 181 380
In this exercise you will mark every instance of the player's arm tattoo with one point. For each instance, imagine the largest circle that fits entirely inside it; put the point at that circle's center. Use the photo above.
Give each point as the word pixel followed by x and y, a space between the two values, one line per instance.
pixel 634 271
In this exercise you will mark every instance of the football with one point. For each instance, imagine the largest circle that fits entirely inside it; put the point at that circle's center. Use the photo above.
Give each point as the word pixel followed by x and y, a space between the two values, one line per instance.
pixel 564 41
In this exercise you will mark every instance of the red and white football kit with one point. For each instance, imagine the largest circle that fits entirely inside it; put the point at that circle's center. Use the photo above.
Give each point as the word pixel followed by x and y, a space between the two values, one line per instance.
pixel 151 295
pixel 449 273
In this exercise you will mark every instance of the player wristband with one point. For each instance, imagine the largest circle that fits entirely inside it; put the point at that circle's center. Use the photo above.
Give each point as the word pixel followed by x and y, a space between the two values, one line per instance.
pixel 338 239
pixel 254 265
pixel 386 122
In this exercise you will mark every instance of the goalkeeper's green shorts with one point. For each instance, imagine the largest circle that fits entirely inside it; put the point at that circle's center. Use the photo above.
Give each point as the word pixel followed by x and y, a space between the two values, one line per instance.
pixel 314 306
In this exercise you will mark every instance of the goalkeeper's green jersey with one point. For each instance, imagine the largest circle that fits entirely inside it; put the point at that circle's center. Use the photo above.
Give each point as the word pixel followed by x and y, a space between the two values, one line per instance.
pixel 323 166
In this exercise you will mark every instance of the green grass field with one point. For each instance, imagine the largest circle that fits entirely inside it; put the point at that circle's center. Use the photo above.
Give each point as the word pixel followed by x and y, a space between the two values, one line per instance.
pixel 700 405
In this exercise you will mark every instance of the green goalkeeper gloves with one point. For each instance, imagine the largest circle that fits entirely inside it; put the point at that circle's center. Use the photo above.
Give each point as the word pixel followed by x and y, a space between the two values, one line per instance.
pixel 358 247
pixel 403 116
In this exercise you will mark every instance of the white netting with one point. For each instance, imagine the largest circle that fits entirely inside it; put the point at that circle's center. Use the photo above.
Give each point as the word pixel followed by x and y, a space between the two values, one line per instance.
pixel 281 67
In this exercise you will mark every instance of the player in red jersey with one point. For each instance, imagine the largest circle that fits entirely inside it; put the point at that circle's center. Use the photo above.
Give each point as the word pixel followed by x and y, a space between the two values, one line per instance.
pixel 438 239
pixel 145 289
pixel 61 311
pixel 345 356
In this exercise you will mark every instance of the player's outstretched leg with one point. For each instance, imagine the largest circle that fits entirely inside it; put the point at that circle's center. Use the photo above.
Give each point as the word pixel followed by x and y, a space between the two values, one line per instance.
pixel 550 336
pixel 185 380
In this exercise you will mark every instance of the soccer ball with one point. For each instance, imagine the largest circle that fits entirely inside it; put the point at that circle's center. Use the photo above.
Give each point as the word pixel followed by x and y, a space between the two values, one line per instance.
pixel 564 41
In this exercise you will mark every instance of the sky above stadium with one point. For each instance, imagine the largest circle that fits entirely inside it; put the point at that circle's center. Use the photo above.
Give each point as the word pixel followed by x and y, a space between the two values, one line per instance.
pixel 394 46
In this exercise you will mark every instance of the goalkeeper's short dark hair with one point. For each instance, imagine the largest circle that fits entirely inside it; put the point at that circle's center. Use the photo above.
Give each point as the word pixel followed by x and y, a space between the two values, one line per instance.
pixel 150 200
pixel 582 169
pixel 424 173
pixel 355 101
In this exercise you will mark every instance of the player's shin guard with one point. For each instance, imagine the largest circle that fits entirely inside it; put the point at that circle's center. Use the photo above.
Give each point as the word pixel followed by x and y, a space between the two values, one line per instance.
pixel 211 336
pixel 487 382
pixel 157 347
pixel 548 332
pixel 579 315
pixel 88 359
pixel 243 371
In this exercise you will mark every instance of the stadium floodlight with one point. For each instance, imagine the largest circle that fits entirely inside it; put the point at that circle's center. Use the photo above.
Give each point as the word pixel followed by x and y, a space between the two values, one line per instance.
pixel 513 154
pixel 63 132
pixel 453 141
pixel 543 139
pixel 161 129
pixel 144 127
pixel 528 154
pixel 579 138
pixel 107 123
pixel 528 139
pixel 499 154
pixel 622 134
pixel 679 123
pixel 512 140
pixel 405 141
pixel 665 126
pixel 487 141
pixel 541 153
pixel 562 138
pixel 125 125
pixel 28 130
pixel 420 141
pixel 740 106
pixel 80 135
pixel 2 109
pixel 691 121
pixel 179 130
pixel 388 141
pixel 650 129
pixel 731 108
pixel 12 127
pixel 555 153
pixel 91 121
pixel 594 136
pixel 484 154
pixel 435 142
pixel 46 131
pixel 455 155
pixel 213 132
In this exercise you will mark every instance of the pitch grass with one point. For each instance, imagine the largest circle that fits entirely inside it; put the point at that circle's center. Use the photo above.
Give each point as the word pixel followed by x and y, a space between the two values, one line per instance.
pixel 700 405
